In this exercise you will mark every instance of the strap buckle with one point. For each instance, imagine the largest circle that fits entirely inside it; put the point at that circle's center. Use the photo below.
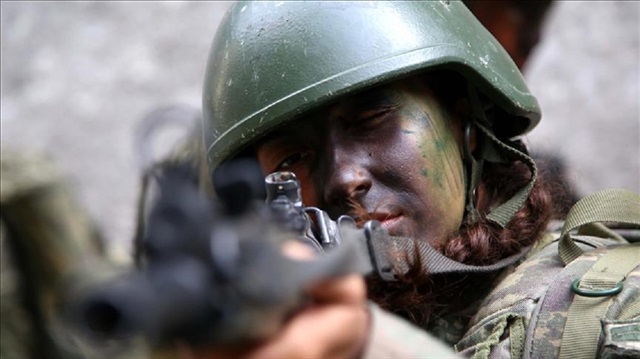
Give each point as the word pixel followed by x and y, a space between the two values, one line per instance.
pixel 373 229
pixel 575 287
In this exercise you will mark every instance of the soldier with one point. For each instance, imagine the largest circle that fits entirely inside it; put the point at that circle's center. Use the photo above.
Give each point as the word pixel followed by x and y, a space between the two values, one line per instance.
pixel 403 112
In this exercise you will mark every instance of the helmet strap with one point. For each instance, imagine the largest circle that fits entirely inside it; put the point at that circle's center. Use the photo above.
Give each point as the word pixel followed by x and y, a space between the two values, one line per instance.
pixel 473 168
pixel 492 149
pixel 511 150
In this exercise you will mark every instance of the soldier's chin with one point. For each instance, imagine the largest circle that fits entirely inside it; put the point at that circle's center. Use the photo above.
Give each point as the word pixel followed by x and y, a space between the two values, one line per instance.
pixel 402 228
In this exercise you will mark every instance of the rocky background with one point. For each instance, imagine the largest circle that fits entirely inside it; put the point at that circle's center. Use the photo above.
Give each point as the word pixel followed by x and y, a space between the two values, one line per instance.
pixel 77 77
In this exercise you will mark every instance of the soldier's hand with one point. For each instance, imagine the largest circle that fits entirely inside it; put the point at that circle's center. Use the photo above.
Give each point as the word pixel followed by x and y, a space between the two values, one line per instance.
pixel 335 325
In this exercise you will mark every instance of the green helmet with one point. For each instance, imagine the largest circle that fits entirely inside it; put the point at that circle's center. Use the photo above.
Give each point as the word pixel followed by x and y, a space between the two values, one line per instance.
pixel 272 61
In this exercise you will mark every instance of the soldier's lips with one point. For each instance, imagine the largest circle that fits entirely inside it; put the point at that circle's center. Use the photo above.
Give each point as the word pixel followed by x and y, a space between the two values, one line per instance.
pixel 389 221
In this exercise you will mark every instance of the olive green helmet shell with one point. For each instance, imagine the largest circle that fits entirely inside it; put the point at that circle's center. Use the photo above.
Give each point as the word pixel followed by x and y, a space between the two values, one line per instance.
pixel 272 61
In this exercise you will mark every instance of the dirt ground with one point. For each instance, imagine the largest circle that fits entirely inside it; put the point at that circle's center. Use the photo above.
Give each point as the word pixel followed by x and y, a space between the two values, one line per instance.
pixel 77 77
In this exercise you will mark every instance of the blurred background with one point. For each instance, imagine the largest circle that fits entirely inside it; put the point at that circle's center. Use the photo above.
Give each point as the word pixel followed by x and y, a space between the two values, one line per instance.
pixel 77 77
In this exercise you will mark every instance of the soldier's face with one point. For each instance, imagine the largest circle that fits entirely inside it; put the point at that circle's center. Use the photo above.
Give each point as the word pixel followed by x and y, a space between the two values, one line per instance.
pixel 394 150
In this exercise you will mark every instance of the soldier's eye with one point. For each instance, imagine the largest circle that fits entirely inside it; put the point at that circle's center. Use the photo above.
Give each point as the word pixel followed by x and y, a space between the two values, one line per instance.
pixel 373 117
pixel 293 160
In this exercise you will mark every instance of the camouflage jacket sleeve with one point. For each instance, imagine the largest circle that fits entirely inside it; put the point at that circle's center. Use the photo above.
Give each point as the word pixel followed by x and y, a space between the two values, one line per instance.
pixel 394 337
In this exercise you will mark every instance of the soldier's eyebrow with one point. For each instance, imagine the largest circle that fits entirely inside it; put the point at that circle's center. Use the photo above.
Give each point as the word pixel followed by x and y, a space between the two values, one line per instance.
pixel 381 96
pixel 279 135
pixel 275 137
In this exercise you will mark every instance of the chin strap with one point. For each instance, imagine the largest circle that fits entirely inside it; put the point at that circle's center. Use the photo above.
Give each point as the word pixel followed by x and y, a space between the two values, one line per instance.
pixel 492 149
pixel 502 214
pixel 392 257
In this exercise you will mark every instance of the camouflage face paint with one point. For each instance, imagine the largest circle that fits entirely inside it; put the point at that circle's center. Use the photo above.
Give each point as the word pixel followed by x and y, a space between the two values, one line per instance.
pixel 394 150
pixel 437 137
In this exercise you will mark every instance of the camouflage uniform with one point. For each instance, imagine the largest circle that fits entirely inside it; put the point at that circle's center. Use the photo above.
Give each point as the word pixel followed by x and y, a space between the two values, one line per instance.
pixel 535 300
pixel 525 314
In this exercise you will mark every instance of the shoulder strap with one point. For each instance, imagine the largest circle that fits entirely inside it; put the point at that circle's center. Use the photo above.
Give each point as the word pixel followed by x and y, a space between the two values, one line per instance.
pixel 609 205
pixel 596 289
pixel 594 293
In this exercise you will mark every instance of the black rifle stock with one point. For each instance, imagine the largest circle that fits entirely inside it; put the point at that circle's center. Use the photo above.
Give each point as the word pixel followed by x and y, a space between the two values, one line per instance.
pixel 213 270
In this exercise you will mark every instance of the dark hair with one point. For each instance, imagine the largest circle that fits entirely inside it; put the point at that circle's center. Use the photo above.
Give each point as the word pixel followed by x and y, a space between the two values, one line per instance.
pixel 485 242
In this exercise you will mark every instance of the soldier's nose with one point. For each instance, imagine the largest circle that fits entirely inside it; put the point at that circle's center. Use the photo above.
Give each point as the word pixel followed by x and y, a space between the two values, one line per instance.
pixel 347 179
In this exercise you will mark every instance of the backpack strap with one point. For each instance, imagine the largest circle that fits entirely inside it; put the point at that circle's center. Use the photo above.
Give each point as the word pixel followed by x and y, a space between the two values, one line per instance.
pixel 594 292
pixel 609 205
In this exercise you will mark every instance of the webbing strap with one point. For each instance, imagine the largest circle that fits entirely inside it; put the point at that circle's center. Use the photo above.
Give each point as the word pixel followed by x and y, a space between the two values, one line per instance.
pixel 602 231
pixel 502 214
pixel 582 329
pixel 494 151
pixel 630 311
pixel 475 168
pixel 392 256
pixel 483 349
pixel 517 334
pixel 609 205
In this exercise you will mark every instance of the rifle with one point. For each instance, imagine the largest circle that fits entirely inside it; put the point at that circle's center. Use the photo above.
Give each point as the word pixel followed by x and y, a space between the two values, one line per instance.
pixel 213 271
